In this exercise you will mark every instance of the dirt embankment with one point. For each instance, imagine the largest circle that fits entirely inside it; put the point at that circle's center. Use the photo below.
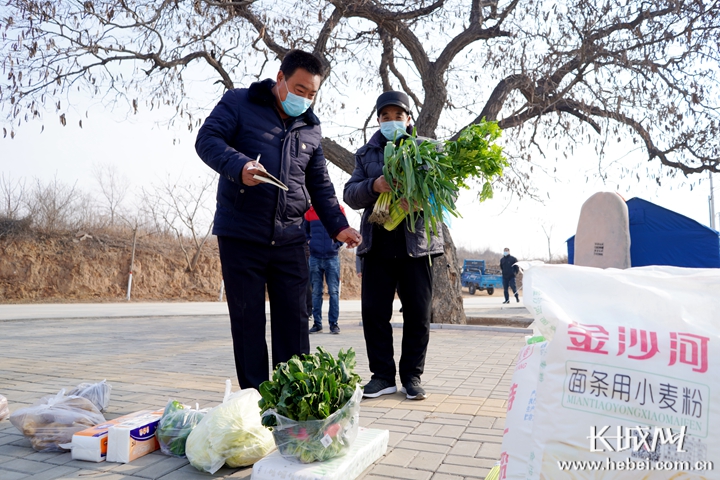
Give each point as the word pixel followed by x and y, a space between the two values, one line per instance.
pixel 86 267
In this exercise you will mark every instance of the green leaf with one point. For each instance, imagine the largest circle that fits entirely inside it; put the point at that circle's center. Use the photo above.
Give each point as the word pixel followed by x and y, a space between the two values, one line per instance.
pixel 295 366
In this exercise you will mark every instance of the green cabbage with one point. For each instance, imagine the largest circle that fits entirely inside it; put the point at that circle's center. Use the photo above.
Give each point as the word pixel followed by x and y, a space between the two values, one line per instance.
pixel 230 433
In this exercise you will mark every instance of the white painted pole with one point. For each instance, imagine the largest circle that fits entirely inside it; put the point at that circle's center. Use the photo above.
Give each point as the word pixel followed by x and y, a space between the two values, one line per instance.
pixel 222 290
pixel 711 200
pixel 129 287
pixel 132 264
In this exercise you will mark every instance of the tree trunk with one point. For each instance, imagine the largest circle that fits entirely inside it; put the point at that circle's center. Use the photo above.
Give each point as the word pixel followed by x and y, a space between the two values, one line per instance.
pixel 447 304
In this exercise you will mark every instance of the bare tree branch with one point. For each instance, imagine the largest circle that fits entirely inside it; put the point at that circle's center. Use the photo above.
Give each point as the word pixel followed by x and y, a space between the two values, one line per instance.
pixel 338 155
pixel 389 59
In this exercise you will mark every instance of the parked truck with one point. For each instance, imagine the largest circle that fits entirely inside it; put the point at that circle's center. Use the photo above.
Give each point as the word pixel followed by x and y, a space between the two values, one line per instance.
pixel 475 277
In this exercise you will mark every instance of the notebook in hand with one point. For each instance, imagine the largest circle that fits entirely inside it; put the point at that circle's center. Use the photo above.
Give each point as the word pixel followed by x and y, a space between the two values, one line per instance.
pixel 267 178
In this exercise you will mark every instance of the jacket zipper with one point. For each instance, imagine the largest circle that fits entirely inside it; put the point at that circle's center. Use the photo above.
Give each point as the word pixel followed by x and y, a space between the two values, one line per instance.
pixel 282 158
pixel 282 154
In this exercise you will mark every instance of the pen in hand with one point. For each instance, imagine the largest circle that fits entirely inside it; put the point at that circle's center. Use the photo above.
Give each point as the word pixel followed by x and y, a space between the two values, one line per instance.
pixel 257 165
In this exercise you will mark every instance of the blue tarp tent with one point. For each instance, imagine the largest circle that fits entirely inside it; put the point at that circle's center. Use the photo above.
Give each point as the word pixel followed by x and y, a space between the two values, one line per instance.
pixel 659 236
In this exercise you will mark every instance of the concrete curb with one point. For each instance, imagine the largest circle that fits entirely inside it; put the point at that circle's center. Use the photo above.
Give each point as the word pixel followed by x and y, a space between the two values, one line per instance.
pixel 443 326
pixel 123 317
pixel 495 321
pixel 481 328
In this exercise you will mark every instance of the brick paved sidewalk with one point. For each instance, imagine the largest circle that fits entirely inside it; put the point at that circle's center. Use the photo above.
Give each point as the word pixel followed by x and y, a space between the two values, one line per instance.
pixel 454 434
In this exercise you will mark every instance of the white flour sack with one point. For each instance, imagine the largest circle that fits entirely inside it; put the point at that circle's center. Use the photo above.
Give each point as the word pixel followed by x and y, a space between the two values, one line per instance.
pixel 515 452
pixel 630 385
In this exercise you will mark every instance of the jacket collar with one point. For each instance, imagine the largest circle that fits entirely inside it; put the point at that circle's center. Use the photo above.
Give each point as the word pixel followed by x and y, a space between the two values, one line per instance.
pixel 261 93
pixel 378 140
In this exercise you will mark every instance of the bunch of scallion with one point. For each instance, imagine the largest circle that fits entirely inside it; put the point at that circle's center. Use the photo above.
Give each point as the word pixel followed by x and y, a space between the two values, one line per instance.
pixel 428 175
pixel 381 211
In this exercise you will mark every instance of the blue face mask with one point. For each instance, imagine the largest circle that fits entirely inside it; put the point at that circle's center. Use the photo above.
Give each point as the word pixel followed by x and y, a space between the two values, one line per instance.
pixel 505 254
pixel 295 105
pixel 393 130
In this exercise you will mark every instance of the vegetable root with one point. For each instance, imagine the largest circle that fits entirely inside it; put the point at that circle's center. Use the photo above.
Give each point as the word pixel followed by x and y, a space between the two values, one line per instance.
pixel 381 211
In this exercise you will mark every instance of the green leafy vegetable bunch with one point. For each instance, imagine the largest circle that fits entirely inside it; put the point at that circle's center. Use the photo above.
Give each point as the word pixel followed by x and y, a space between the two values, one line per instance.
pixel 428 173
pixel 309 388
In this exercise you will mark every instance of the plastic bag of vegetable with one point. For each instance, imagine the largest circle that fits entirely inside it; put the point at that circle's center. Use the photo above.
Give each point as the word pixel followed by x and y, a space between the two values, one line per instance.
pixel 98 393
pixel 177 422
pixel 319 440
pixel 313 405
pixel 54 419
pixel 4 409
pixel 230 433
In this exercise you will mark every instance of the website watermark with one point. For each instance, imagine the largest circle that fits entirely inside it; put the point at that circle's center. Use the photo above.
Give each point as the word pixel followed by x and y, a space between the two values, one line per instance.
pixel 635 438
pixel 630 465
pixel 650 448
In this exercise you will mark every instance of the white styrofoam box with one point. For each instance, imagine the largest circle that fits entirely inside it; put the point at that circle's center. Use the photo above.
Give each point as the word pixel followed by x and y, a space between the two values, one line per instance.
pixel 370 445
pixel 134 437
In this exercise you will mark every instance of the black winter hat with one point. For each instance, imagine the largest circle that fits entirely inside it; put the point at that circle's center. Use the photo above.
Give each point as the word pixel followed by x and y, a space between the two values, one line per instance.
pixel 399 99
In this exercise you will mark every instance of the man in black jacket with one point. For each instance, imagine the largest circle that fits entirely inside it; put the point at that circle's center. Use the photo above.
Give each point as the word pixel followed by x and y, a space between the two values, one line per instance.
pixel 509 270
pixel 269 128
pixel 396 259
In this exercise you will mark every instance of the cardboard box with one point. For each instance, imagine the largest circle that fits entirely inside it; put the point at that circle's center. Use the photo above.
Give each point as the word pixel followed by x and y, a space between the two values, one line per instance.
pixel 369 446
pixel 133 437
pixel 91 444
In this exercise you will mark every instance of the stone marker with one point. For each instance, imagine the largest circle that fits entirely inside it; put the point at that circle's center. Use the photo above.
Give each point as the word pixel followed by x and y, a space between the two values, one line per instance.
pixel 603 232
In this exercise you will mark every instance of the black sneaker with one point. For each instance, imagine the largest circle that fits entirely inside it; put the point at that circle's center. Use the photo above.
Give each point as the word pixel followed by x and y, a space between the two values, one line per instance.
pixel 506 301
pixel 315 329
pixel 377 387
pixel 517 298
pixel 413 390
pixel 334 329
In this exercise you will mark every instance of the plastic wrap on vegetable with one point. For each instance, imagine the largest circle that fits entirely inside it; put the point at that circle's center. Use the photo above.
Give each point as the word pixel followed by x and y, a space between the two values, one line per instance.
pixel 313 405
pixel 177 422
pixel 4 409
pixel 97 393
pixel 54 419
pixel 318 440
pixel 230 433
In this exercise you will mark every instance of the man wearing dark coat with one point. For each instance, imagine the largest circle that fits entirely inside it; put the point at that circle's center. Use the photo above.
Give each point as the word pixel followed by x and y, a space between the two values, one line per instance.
pixel 509 271
pixel 253 135
pixel 392 260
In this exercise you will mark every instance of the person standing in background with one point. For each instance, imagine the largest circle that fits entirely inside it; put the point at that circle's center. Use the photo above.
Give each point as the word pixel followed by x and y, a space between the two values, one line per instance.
pixel 324 264
pixel 509 271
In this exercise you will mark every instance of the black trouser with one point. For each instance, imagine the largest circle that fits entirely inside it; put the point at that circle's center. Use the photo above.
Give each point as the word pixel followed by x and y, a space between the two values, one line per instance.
pixel 509 282
pixel 413 279
pixel 247 268
pixel 309 301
